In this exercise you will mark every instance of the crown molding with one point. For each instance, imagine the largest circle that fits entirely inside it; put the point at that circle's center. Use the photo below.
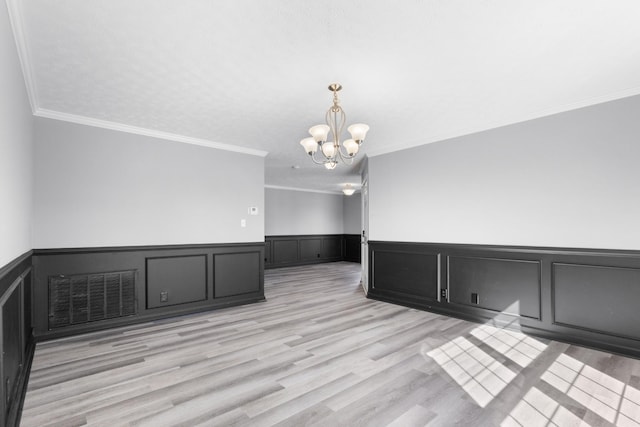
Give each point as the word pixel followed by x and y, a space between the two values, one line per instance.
pixel 14 8
pixel 305 190
pixel 17 24
pixel 566 108
pixel 88 121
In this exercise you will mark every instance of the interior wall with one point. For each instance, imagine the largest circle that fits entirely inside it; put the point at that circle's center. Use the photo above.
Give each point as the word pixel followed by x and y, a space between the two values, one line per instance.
pixel 567 180
pixel 16 147
pixel 292 212
pixel 97 187
pixel 352 214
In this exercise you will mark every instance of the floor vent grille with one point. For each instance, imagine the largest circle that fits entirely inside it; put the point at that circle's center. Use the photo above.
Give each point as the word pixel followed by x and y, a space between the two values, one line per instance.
pixel 84 298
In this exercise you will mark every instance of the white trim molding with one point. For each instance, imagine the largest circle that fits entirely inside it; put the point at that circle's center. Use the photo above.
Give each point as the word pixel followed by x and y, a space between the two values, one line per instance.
pixel 306 190
pixel 88 121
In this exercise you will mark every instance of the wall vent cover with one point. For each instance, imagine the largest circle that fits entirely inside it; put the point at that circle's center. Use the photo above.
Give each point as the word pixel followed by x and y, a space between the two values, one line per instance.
pixel 84 298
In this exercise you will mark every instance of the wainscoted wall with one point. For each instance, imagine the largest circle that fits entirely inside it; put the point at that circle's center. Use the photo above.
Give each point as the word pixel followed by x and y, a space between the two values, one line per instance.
pixel 80 290
pixel 579 295
pixel 16 342
pixel 286 251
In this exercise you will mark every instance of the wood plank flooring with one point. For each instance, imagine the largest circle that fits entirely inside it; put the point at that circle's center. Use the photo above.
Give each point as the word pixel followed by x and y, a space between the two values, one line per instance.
pixel 318 353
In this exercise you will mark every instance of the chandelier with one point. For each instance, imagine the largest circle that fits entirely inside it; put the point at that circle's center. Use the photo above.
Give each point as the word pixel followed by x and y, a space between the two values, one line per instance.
pixel 330 149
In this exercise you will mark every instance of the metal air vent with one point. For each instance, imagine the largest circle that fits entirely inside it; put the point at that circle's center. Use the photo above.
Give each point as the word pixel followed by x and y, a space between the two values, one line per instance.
pixel 92 297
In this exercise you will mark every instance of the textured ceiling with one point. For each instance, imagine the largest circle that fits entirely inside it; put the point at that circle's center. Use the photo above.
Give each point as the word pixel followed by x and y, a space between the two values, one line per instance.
pixel 254 74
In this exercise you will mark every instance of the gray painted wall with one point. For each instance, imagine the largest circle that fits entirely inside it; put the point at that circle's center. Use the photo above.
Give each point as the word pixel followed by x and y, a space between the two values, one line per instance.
pixel 16 147
pixel 302 212
pixel 98 187
pixel 352 214
pixel 567 180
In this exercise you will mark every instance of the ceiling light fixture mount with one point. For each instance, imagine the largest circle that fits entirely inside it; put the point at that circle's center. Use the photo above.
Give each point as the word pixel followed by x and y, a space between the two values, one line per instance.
pixel 348 189
pixel 331 150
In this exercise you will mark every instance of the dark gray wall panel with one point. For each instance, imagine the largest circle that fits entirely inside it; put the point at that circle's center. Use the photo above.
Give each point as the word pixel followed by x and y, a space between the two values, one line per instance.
pixel 267 252
pixel 504 285
pixel 12 350
pixel 293 250
pixel 236 274
pixel 332 247
pixel 27 327
pixel 598 298
pixel 411 273
pixel 183 278
pixel 285 251
pixel 16 340
pixel 10 272
pixel 352 248
pixel 310 249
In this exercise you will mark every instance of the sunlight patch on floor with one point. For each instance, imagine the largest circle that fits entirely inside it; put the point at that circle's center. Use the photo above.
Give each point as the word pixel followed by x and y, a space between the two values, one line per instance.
pixel 592 390
pixel 518 347
pixel 538 409
pixel 611 399
pixel 478 373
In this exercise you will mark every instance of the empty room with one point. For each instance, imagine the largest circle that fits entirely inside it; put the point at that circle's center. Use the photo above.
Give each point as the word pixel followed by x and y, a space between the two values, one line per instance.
pixel 327 213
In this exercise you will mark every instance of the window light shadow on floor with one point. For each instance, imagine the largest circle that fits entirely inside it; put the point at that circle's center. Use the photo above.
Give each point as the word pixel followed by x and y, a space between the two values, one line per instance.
pixel 477 372
pixel 600 393
pixel 538 409
pixel 483 378
pixel 517 346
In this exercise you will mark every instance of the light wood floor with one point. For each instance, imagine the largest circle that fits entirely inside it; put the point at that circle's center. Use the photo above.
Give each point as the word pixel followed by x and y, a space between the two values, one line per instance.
pixel 319 353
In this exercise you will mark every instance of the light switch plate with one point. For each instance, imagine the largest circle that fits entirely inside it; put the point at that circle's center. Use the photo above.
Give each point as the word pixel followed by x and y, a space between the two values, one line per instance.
pixel 253 210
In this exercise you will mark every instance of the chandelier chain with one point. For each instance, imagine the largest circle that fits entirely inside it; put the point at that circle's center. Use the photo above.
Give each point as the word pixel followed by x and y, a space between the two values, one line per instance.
pixel 336 102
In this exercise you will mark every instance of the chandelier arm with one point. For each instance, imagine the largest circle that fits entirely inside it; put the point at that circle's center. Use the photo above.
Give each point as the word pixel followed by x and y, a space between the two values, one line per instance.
pixel 331 123
pixel 346 158
pixel 335 119
pixel 343 120
pixel 318 162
